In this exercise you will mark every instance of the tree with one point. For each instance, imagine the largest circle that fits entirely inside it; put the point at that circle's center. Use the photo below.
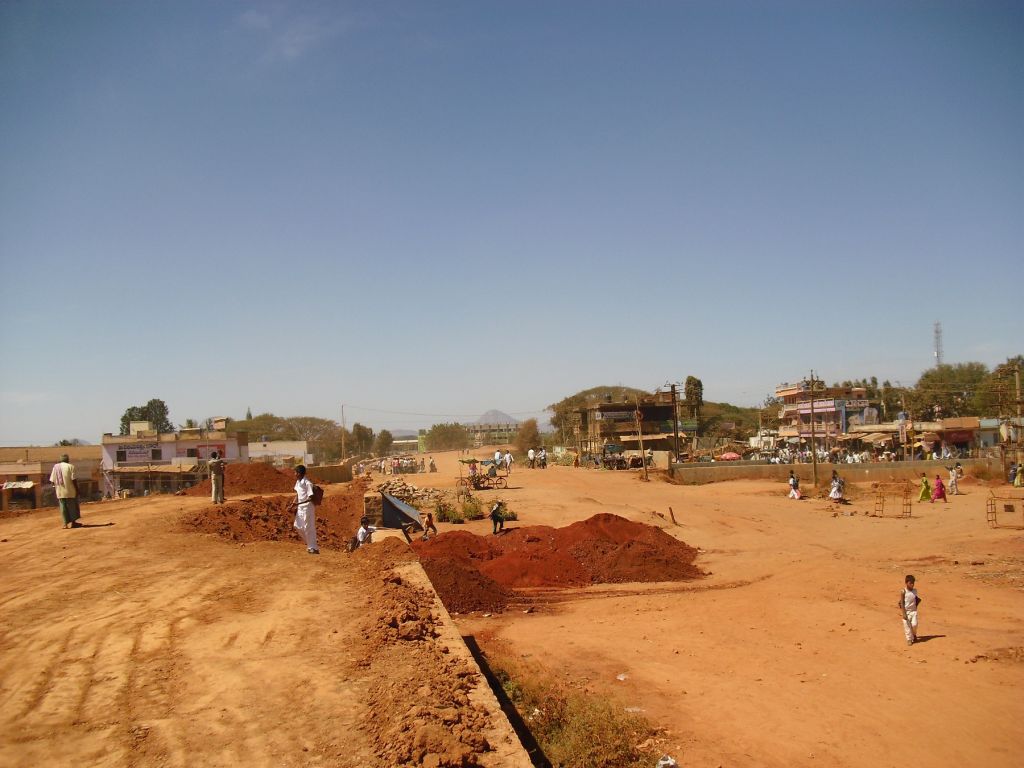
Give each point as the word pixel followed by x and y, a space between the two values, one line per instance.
pixel 527 436
pixel 442 437
pixel 997 393
pixel 362 439
pixel 947 391
pixel 382 445
pixel 155 412
pixel 189 424
pixel 72 442
pixel 693 392
pixel 248 414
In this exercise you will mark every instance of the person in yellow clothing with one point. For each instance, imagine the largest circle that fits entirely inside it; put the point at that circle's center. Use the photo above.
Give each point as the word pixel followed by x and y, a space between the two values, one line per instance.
pixel 926 489
pixel 64 483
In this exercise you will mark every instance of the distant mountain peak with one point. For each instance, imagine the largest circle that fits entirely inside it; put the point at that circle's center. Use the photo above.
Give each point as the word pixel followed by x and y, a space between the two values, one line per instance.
pixel 496 417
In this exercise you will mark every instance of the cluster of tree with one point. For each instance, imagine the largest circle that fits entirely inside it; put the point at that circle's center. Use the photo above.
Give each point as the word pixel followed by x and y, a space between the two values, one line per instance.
pixel 946 391
pixel 155 412
pixel 448 436
pixel 527 436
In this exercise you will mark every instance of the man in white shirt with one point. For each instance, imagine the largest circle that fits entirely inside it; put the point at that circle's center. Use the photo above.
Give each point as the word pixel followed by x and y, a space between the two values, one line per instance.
pixel 508 462
pixel 63 478
pixel 305 510
pixel 530 456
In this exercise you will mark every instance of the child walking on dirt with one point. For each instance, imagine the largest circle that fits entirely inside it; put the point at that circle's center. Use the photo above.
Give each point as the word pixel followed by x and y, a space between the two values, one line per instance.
pixel 794 486
pixel 908 602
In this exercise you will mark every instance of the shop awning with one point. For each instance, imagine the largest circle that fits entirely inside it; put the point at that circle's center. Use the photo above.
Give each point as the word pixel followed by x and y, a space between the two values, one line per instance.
pixel 653 437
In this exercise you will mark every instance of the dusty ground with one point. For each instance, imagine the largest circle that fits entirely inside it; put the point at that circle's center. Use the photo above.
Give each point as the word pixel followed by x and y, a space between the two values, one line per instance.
pixel 140 644
pixel 791 652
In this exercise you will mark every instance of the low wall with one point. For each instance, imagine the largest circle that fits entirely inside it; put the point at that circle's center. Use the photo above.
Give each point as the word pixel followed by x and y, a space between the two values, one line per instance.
pixel 699 473
pixel 331 473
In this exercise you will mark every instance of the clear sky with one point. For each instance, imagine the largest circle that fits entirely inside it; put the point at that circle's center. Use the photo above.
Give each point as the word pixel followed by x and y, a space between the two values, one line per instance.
pixel 441 208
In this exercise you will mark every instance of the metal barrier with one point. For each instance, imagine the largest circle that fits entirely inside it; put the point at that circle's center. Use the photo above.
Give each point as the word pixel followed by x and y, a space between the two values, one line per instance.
pixel 1006 505
pixel 900 493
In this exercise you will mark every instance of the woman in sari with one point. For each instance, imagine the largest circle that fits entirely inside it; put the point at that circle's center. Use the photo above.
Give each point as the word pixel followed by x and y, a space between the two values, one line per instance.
pixel 926 489
pixel 939 492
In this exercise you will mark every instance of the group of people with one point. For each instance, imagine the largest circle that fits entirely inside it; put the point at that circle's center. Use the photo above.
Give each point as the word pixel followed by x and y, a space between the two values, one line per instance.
pixel 938 491
pixel 537 459
pixel 1016 475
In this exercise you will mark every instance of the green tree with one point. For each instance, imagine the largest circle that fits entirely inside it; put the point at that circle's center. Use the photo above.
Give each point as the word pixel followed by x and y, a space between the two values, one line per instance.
pixel 189 424
pixel 693 394
pixel 362 439
pixel 155 412
pixel 382 443
pixel 442 437
pixel 947 390
pixel 248 413
pixel 997 393
pixel 73 442
pixel 527 436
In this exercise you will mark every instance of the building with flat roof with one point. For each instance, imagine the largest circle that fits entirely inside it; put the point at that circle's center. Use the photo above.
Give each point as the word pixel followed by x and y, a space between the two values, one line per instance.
pixel 147 461
pixel 828 414
pixel 25 474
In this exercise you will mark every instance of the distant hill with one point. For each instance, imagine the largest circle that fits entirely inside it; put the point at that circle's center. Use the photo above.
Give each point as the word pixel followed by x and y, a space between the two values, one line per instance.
pixel 496 417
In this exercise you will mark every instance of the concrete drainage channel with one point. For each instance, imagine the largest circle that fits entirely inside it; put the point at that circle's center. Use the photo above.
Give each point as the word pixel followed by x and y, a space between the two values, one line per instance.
pixel 507 750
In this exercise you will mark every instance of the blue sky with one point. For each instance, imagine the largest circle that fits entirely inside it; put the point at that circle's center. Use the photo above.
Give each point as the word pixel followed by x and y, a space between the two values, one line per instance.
pixel 441 208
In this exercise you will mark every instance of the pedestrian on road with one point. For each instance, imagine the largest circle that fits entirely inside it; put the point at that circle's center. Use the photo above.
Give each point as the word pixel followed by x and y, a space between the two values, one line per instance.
pixel 926 489
pixel 216 466
pixel 939 491
pixel 509 461
pixel 305 510
pixel 64 483
pixel 908 603
pixel 794 486
pixel 531 458
pixel 954 480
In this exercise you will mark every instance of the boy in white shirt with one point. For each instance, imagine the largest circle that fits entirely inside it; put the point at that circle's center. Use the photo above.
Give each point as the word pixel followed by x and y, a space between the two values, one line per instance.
pixel 908 602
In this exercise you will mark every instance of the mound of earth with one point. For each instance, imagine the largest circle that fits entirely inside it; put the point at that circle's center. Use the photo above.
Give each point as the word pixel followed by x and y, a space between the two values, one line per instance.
pixel 268 518
pixel 248 478
pixel 602 549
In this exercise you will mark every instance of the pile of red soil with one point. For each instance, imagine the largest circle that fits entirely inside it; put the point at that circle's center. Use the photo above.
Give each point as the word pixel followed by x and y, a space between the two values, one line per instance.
pixel 268 518
pixel 602 549
pixel 248 478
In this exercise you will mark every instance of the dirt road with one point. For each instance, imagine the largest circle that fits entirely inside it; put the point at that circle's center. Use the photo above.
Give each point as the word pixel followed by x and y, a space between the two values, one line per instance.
pixel 791 652
pixel 139 644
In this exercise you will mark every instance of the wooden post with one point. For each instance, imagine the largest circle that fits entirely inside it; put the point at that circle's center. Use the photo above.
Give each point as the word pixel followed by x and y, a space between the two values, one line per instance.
pixel 639 436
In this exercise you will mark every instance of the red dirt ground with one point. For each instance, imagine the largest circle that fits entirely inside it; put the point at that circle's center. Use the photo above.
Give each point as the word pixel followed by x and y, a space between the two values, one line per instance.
pixel 248 478
pixel 267 518
pixel 602 549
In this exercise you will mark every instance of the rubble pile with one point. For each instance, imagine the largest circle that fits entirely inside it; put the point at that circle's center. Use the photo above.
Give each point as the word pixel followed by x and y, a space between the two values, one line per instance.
pixel 418 497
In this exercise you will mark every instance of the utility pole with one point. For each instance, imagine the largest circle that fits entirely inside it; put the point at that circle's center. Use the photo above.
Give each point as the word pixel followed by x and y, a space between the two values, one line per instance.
pixel 640 436
pixel 675 425
pixel 343 432
pixel 1020 424
pixel 814 448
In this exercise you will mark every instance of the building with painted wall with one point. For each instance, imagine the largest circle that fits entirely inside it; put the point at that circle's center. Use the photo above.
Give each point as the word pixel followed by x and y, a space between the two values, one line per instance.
pixel 25 474
pixel 834 409
pixel 147 461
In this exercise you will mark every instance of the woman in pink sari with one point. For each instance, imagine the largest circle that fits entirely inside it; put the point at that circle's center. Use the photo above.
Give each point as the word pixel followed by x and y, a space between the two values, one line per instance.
pixel 939 490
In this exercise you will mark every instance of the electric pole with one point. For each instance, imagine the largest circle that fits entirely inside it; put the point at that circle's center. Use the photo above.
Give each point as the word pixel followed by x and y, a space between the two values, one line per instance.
pixel 675 424
pixel 814 449
pixel 343 432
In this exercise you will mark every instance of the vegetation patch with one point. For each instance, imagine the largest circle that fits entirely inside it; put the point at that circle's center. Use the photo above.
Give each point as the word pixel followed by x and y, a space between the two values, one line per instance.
pixel 574 728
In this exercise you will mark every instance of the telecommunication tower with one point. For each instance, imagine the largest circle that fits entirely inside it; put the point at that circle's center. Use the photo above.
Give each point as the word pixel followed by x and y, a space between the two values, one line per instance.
pixel 938 344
